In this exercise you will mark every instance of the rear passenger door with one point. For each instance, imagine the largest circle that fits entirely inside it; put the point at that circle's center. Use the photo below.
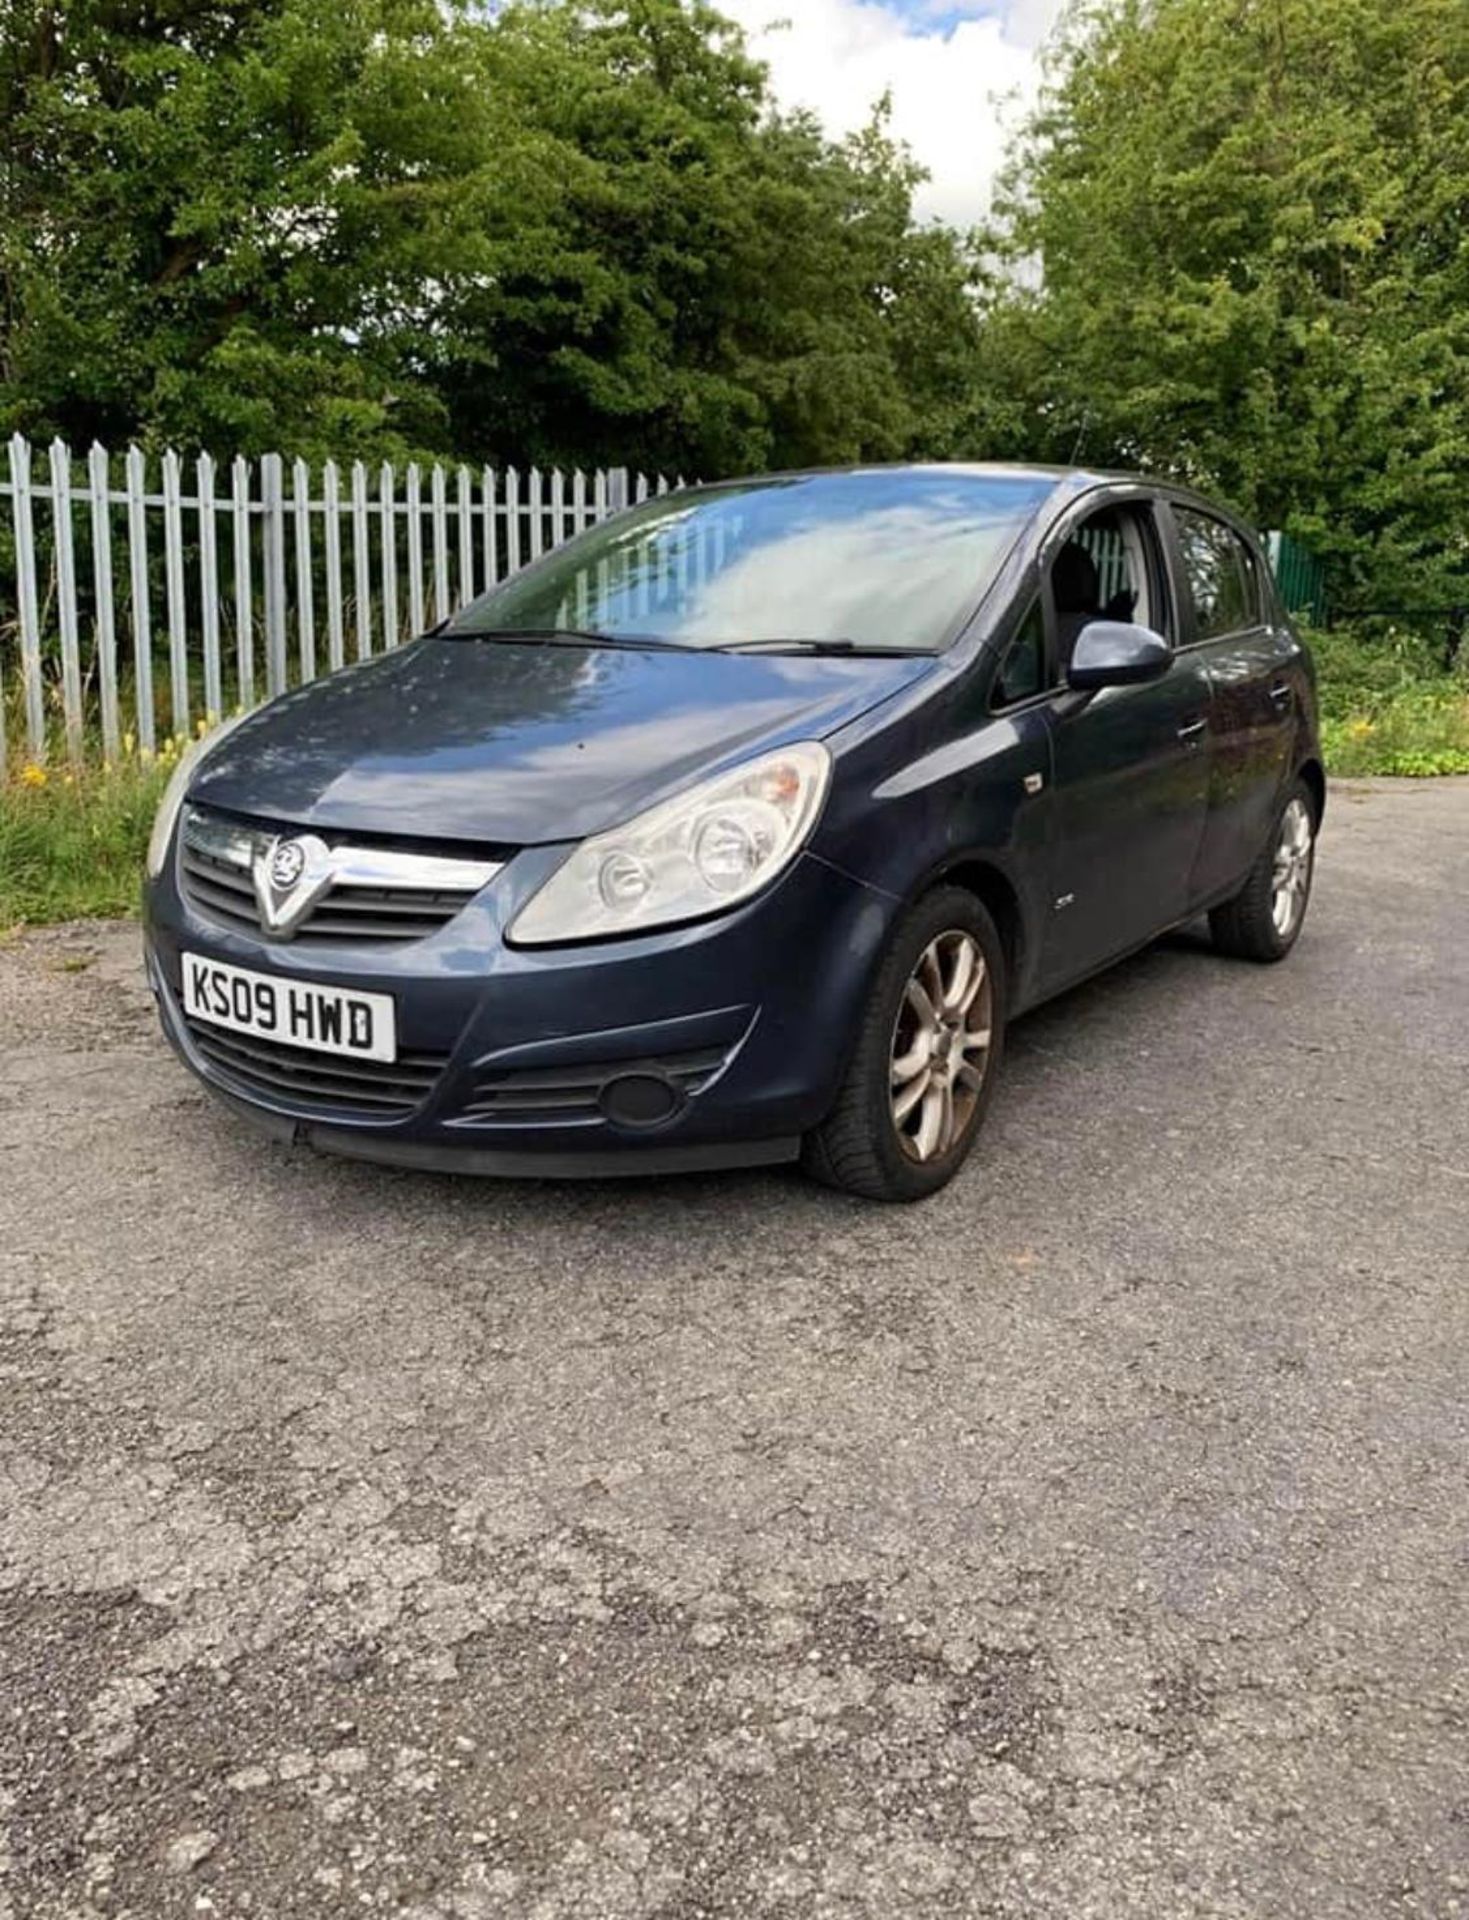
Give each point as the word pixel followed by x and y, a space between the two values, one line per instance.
pixel 1254 667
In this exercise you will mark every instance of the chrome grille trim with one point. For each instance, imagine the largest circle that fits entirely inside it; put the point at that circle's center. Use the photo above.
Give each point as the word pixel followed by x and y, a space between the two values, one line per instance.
pixel 376 893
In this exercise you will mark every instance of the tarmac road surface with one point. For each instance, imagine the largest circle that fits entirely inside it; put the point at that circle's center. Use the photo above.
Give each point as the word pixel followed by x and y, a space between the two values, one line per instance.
pixel 1090 1541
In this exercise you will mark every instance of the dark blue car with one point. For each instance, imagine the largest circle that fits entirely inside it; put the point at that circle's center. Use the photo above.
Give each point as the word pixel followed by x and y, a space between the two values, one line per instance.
pixel 739 828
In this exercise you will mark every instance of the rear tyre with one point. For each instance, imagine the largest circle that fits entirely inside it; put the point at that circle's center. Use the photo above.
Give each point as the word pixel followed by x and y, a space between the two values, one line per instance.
pixel 1263 921
pixel 927 1052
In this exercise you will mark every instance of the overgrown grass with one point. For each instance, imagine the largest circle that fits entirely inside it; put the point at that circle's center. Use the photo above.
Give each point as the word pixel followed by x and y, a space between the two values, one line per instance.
pixel 1419 731
pixel 72 844
pixel 1388 706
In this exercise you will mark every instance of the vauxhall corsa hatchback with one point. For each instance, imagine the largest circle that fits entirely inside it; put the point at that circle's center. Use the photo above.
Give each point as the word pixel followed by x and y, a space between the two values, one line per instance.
pixel 737 829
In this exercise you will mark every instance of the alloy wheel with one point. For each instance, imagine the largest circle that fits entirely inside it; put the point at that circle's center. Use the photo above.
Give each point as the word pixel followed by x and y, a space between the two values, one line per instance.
pixel 1291 879
pixel 941 1045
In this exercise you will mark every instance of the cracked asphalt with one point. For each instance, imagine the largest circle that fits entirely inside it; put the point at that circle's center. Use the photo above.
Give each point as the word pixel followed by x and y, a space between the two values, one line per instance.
pixel 1090 1541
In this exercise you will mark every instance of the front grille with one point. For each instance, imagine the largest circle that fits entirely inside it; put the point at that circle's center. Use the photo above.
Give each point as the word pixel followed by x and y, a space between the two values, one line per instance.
pixel 575 1092
pixel 377 893
pixel 321 1081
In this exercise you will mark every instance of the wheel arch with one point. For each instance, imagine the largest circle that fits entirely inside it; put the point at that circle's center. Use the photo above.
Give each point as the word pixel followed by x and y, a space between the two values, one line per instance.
pixel 1000 898
pixel 1314 775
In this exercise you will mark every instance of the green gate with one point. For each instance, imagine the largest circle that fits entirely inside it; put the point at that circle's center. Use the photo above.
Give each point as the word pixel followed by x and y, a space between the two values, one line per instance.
pixel 1300 577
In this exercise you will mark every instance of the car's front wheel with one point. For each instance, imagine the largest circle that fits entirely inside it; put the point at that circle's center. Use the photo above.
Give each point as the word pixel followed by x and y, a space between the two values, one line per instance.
pixel 924 1065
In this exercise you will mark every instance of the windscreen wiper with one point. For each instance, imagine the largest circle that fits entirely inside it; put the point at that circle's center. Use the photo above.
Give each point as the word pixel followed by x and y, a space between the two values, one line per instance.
pixel 568 637
pixel 850 649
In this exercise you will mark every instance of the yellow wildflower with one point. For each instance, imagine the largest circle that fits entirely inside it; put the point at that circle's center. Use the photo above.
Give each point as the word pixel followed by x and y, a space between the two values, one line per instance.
pixel 32 776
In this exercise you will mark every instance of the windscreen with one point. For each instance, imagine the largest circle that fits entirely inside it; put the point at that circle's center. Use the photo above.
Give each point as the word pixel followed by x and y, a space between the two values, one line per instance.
pixel 890 559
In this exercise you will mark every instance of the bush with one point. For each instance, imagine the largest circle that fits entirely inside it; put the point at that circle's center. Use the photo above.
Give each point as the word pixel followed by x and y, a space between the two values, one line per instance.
pixel 72 843
pixel 1388 705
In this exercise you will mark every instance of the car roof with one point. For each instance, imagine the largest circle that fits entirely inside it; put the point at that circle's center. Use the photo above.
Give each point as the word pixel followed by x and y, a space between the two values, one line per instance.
pixel 971 469
pixel 974 469
pixel 1070 481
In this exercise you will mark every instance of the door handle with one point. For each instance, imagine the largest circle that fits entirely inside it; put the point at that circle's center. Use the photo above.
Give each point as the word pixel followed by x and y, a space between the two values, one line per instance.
pixel 1280 693
pixel 1192 730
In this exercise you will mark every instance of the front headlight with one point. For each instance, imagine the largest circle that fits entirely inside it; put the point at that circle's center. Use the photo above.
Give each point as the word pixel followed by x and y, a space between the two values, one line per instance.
pixel 166 819
pixel 697 854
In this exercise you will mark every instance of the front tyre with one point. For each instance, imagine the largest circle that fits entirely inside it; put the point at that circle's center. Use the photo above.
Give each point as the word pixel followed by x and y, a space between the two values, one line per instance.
pixel 927 1052
pixel 1263 920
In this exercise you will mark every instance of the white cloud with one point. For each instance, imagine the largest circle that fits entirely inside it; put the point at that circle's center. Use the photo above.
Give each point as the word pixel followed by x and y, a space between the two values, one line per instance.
pixel 951 66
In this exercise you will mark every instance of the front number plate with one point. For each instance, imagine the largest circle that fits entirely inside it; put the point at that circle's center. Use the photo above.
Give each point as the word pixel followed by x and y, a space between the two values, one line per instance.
pixel 298 1013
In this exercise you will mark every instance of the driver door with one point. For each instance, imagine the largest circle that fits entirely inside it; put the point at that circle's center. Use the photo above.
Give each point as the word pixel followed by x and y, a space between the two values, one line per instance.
pixel 1130 766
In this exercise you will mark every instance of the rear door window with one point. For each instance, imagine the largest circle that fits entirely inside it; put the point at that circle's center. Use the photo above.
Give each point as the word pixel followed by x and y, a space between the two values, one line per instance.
pixel 1220 569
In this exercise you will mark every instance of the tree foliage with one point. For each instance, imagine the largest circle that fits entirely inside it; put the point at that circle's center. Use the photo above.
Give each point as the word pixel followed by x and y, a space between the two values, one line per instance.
pixel 1234 246
pixel 558 232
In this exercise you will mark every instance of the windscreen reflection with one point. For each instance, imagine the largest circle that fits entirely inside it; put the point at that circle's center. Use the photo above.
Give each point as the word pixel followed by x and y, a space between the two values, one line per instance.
pixel 889 559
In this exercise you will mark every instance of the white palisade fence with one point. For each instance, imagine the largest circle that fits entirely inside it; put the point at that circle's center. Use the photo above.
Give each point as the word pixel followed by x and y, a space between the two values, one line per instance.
pixel 144 594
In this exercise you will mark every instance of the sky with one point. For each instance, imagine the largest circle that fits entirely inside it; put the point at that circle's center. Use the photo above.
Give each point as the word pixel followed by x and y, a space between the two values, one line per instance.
pixel 949 65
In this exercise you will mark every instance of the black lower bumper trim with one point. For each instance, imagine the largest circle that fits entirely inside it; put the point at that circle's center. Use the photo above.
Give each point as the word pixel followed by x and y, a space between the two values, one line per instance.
pixel 506 1164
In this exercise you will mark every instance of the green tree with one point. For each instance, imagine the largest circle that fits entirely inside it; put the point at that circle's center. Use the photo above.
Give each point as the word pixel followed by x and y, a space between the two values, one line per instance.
pixel 229 223
pixel 1234 246
pixel 561 232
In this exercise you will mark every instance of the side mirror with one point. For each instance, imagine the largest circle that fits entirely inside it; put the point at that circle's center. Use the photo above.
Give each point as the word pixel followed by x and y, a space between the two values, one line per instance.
pixel 1115 653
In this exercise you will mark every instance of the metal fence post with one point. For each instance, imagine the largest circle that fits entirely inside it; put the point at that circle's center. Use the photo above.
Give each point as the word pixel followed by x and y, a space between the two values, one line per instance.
pixel 30 619
pixel 386 494
pixel 142 615
pixel 558 507
pixel 466 541
pixel 415 549
pixel 209 589
pixel 331 505
pixel 99 484
pixel 173 573
pixel 272 501
pixel 361 561
pixel 488 546
pixel 512 521
pixel 244 602
pixel 441 544
pixel 537 529
pixel 305 600
pixel 66 598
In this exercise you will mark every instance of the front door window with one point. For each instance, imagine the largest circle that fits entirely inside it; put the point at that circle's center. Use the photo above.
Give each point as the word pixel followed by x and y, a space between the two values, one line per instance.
pixel 1109 568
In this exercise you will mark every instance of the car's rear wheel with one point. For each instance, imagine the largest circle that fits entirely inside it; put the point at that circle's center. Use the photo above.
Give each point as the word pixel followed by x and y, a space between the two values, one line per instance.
pixel 1263 920
pixel 927 1052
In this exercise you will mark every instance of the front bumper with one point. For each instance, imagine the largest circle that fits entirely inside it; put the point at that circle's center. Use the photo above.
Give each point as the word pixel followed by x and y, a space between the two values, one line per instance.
pixel 736 1031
